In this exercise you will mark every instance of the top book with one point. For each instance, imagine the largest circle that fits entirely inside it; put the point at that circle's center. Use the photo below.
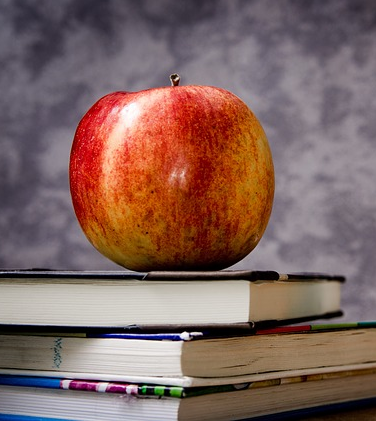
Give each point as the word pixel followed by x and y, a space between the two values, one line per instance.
pixel 111 299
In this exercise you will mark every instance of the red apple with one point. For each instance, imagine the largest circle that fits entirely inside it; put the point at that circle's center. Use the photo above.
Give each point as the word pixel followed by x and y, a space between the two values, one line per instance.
pixel 172 178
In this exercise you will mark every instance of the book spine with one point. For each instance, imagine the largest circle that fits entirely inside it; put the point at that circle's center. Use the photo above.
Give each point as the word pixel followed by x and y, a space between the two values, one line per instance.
pixel 284 329
pixel 316 327
pixel 183 336
pixel 26 381
pixel 346 325
pixel 123 388
pixel 93 386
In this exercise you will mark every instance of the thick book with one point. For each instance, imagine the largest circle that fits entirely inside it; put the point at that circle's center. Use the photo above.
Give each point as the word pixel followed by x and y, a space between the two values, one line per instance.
pixel 122 298
pixel 87 400
pixel 195 358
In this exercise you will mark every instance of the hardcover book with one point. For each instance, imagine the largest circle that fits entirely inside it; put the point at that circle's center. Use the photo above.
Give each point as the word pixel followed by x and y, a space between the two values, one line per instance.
pixel 190 358
pixel 42 399
pixel 122 298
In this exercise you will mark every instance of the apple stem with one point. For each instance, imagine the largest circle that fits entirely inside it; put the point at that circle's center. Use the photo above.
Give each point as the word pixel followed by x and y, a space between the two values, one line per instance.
pixel 175 79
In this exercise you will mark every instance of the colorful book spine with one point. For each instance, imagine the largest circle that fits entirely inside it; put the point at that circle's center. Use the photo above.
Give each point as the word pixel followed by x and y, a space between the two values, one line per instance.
pixel 141 390
pixel 123 388
pixel 93 386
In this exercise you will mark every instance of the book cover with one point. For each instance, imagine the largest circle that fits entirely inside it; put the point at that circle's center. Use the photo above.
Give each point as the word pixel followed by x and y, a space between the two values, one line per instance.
pixel 250 275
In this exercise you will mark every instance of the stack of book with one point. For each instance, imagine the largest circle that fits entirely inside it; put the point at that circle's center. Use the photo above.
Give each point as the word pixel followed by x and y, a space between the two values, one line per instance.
pixel 227 345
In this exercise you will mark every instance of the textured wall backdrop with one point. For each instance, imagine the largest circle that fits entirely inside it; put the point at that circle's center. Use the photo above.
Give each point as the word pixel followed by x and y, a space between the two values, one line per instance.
pixel 306 68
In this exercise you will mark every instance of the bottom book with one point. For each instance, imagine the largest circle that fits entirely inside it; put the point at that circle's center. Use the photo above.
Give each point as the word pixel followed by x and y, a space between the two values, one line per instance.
pixel 40 398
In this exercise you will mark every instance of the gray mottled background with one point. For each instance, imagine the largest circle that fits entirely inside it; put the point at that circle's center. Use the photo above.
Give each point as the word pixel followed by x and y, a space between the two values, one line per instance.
pixel 306 68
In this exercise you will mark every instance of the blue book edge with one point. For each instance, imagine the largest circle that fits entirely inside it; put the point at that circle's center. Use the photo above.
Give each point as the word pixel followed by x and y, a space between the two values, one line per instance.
pixel 12 417
pixel 30 381
pixel 168 336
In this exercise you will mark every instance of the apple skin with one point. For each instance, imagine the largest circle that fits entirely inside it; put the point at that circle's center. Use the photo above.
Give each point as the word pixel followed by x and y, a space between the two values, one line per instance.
pixel 172 178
